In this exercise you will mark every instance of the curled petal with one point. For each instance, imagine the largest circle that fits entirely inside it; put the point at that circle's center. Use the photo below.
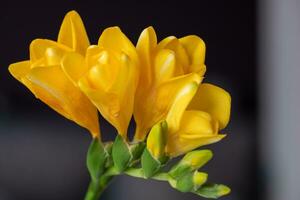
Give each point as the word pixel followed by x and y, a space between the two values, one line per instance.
pixel 182 60
pixel 73 34
pixel 41 48
pixel 213 100
pixel 74 66
pixel 19 69
pixel 145 47
pixel 197 128
pixel 195 48
pixel 114 97
pixel 51 86
pixel 164 66
pixel 168 101
pixel 112 39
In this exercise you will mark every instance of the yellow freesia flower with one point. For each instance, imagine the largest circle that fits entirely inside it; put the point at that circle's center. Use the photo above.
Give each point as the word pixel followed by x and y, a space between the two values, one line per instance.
pixel 199 125
pixel 108 75
pixel 171 71
pixel 44 77
pixel 168 62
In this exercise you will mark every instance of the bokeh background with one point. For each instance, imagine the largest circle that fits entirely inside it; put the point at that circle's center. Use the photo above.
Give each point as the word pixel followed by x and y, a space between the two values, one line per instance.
pixel 252 51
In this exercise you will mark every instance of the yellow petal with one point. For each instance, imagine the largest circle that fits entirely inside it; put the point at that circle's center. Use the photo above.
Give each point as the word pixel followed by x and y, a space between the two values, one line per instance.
pixel 112 39
pixel 195 48
pixel 41 48
pixel 182 60
pixel 103 74
pixel 171 97
pixel 53 87
pixel 74 66
pixel 73 34
pixel 145 46
pixel 196 123
pixel 162 44
pixel 197 128
pixel 213 100
pixel 164 66
pixel 115 102
pixel 157 138
pixel 19 69
pixel 182 99
pixel 92 55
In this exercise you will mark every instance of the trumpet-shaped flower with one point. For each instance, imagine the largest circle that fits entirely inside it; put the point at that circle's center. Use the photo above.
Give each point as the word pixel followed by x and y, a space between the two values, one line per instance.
pixel 44 77
pixel 108 75
pixel 170 74
pixel 199 125
pixel 173 62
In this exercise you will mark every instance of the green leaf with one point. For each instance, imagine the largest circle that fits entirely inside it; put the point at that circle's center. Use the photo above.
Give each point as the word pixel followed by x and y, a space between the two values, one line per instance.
pixel 96 159
pixel 149 164
pixel 121 153
pixel 213 191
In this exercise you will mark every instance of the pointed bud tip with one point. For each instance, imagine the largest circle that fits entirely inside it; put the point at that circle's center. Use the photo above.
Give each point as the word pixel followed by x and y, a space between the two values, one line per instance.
pixel 199 178
pixel 223 190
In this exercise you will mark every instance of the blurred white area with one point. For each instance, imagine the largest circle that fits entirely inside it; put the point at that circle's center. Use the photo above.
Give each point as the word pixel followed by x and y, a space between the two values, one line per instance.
pixel 279 71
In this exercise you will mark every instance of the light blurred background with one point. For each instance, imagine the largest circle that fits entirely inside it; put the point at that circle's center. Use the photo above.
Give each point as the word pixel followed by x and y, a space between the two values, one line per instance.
pixel 253 52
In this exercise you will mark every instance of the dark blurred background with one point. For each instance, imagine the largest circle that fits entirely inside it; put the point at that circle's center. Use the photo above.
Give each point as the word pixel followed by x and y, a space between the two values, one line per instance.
pixel 42 155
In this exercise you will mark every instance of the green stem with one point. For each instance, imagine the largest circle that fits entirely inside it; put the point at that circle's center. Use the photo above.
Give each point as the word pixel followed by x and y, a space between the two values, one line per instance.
pixel 97 187
pixel 138 172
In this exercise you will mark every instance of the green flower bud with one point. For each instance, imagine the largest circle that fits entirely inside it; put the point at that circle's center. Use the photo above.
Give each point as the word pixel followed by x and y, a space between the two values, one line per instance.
pixel 157 140
pixel 213 191
pixel 199 179
pixel 189 182
pixel 191 162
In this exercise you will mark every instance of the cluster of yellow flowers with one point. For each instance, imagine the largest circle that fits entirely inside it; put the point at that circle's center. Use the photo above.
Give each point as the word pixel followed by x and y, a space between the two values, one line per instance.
pixel 153 81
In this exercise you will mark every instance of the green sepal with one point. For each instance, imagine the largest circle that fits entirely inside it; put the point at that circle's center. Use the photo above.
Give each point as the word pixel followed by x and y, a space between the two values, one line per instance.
pixel 121 153
pixel 96 159
pixel 213 191
pixel 150 165
pixel 108 149
pixel 185 182
pixel 190 162
pixel 164 159
pixel 179 170
pixel 137 150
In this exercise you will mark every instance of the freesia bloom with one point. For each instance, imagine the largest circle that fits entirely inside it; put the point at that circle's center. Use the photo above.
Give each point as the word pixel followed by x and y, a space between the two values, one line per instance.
pixel 195 113
pixel 199 125
pixel 44 76
pixel 170 77
pixel 108 75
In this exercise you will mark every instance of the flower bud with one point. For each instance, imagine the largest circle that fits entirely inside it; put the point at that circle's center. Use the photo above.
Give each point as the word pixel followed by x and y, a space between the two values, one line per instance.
pixel 199 178
pixel 157 139
pixel 190 162
pixel 189 182
pixel 213 191
pixel 196 159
